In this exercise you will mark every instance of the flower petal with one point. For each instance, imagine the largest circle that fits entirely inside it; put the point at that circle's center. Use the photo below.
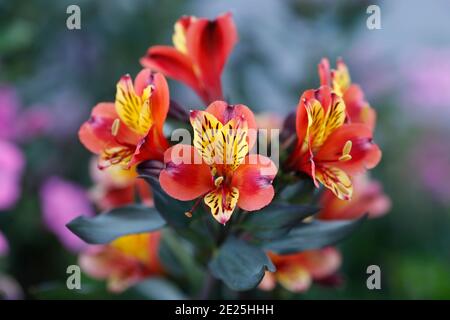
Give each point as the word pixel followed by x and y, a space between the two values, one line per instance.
pixel 174 64
pixel 222 202
pixel 336 180
pixel 324 72
pixel 294 278
pixel 185 176
pixel 159 99
pixel 224 112
pixel 206 130
pixel 364 153
pixel 133 109
pixel 358 109
pixel 323 262
pixel 208 44
pixel 254 179
pixel 231 144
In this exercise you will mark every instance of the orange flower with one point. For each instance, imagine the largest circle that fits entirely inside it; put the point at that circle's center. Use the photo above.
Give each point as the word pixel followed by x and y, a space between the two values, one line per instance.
pixel 358 109
pixel 367 198
pixel 217 167
pixel 131 129
pixel 201 49
pixel 125 261
pixel 116 187
pixel 329 149
pixel 296 272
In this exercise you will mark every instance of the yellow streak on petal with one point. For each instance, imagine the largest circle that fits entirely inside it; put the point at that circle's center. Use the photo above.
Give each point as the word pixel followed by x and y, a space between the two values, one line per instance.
pixel 222 203
pixel 231 145
pixel 335 116
pixel 115 127
pixel 134 111
pixel 179 38
pixel 206 129
pixel 336 180
pixel 341 79
pixel 295 278
pixel 135 246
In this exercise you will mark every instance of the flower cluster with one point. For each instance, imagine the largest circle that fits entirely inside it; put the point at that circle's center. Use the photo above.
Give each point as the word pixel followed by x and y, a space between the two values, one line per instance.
pixel 223 170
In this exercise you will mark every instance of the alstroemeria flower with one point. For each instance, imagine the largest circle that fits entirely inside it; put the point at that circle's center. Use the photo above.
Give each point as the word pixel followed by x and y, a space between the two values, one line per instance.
pixel 329 149
pixel 368 198
pixel 201 49
pixel 217 167
pixel 125 261
pixel 296 272
pixel 358 109
pixel 116 186
pixel 131 129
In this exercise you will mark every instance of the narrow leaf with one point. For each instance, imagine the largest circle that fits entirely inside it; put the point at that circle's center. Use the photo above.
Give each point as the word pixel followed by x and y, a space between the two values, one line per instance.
pixel 277 219
pixel 313 235
pixel 113 224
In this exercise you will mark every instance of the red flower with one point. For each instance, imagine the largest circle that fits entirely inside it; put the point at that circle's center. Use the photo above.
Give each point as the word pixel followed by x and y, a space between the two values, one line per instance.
pixel 116 186
pixel 367 198
pixel 357 108
pixel 201 49
pixel 217 167
pixel 131 129
pixel 125 261
pixel 296 272
pixel 329 149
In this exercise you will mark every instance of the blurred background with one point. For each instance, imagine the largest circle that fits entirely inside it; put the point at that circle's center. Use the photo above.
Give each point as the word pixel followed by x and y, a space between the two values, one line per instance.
pixel 51 77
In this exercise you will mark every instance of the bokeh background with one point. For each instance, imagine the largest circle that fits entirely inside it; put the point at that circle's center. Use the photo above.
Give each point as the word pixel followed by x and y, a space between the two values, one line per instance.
pixel 50 77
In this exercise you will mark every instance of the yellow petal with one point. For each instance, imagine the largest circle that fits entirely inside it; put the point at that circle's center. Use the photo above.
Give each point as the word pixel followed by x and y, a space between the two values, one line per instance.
pixel 295 278
pixel 335 116
pixel 135 246
pixel 231 145
pixel 134 111
pixel 314 132
pixel 336 180
pixel 341 79
pixel 206 129
pixel 222 203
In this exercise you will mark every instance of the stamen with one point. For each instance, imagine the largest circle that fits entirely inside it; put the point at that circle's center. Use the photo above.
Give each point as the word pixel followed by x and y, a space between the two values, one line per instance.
pixel 115 127
pixel 190 212
pixel 346 151
pixel 218 181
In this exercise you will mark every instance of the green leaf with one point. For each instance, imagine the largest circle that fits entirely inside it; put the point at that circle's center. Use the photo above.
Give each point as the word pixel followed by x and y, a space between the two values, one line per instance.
pixel 240 265
pixel 277 220
pixel 113 224
pixel 159 289
pixel 313 235
pixel 171 209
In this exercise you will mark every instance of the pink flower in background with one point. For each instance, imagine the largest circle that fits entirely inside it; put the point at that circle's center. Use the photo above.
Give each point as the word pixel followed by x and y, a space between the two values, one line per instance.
pixel 12 164
pixel 62 201
pixel 17 124
pixel 431 160
pixel 4 247
pixel 426 91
